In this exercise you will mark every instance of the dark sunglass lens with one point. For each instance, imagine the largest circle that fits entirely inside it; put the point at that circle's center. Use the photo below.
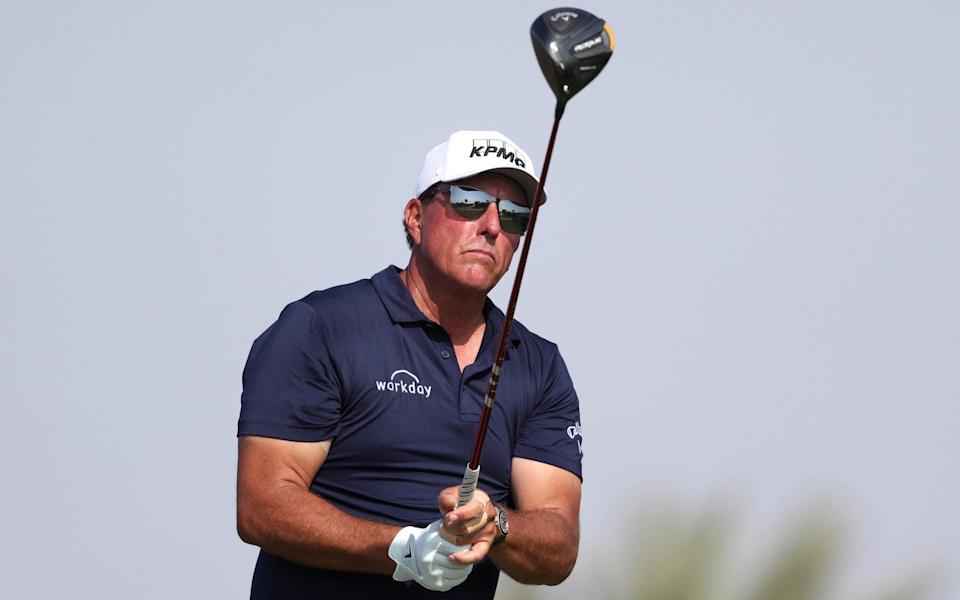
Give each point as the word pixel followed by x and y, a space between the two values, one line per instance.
pixel 514 217
pixel 470 211
pixel 514 223
pixel 469 202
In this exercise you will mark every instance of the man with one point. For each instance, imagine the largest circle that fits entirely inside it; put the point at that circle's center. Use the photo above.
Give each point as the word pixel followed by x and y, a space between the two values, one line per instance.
pixel 361 402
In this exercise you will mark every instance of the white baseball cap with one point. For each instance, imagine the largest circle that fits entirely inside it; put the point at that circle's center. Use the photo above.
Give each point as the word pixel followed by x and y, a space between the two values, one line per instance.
pixel 467 153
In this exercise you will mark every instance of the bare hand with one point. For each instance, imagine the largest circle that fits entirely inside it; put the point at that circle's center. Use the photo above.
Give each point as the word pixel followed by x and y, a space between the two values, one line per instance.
pixel 470 524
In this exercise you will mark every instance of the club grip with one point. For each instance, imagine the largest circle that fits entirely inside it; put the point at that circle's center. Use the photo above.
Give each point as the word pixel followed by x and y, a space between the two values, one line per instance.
pixel 468 485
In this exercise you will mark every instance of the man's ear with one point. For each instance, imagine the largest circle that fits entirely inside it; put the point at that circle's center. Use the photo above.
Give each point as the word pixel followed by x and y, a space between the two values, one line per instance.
pixel 412 217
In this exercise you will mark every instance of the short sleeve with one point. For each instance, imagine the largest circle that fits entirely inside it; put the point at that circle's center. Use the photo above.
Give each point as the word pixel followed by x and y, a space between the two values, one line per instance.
pixel 552 433
pixel 291 389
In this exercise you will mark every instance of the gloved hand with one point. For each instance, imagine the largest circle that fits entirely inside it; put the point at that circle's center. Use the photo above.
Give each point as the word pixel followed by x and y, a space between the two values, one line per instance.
pixel 423 556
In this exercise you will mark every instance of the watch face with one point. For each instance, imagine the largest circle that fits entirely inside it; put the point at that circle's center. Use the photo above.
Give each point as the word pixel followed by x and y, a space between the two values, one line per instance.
pixel 502 522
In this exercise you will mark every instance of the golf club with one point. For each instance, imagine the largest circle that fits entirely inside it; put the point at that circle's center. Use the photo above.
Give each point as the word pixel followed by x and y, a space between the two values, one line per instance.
pixel 572 47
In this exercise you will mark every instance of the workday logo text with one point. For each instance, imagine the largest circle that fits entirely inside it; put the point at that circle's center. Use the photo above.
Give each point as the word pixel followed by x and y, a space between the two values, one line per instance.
pixel 404 382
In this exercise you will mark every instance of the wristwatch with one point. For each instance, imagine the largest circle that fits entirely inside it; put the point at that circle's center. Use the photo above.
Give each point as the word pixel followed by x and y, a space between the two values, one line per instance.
pixel 503 527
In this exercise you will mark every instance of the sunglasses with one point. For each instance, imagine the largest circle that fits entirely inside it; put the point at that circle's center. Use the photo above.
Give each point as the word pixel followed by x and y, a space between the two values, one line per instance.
pixel 470 203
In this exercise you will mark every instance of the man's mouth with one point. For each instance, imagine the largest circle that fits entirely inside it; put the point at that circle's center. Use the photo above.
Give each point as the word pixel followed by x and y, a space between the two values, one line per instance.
pixel 486 253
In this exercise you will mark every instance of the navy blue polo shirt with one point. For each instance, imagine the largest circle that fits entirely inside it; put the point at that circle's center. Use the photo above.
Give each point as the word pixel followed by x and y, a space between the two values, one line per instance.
pixel 359 364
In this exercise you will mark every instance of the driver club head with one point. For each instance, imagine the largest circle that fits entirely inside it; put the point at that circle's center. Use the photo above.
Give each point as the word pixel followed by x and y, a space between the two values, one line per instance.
pixel 572 47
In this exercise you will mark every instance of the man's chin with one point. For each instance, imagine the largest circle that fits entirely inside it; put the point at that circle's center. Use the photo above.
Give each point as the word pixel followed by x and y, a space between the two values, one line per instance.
pixel 481 278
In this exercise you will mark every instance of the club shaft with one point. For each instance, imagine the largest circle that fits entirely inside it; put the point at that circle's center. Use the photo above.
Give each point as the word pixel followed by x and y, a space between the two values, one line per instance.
pixel 512 305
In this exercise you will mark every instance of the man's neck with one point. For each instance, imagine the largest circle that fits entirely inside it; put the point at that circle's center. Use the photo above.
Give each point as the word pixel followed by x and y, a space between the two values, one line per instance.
pixel 459 311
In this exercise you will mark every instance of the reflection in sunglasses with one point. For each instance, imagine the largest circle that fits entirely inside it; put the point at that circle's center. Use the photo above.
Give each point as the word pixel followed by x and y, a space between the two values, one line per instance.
pixel 471 203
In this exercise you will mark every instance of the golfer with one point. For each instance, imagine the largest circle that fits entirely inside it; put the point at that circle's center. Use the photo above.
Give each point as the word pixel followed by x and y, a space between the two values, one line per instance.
pixel 360 405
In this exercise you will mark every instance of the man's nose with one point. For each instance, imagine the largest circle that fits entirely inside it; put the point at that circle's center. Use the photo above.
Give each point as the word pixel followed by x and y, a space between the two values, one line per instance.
pixel 490 220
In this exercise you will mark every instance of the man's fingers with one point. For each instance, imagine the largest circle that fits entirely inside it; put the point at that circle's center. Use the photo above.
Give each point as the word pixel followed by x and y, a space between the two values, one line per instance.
pixel 474 555
pixel 448 499
pixel 470 511
pixel 450 536
pixel 469 518
pixel 487 533
pixel 462 528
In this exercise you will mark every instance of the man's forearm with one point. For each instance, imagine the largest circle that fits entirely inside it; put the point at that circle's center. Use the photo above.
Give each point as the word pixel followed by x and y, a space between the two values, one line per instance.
pixel 300 526
pixel 541 547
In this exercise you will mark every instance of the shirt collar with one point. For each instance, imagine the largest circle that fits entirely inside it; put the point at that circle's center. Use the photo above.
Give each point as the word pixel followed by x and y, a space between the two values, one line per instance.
pixel 495 318
pixel 396 297
pixel 400 306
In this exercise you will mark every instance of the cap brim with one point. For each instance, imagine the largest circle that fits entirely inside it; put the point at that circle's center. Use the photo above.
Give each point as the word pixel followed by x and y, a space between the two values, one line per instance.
pixel 528 183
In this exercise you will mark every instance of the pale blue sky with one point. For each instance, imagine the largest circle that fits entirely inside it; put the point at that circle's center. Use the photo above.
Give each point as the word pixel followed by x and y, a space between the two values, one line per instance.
pixel 749 258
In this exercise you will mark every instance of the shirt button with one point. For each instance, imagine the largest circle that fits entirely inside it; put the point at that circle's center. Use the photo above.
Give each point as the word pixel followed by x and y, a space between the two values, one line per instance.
pixel 445 354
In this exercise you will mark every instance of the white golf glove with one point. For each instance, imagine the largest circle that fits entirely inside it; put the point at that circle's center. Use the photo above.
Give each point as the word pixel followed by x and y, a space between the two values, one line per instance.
pixel 423 556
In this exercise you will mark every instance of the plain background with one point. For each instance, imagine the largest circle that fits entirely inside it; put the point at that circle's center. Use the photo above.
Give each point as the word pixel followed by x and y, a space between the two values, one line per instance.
pixel 749 259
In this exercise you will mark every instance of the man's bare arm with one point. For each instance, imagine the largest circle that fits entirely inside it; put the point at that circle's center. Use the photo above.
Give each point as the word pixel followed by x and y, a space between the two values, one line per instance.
pixel 545 527
pixel 277 511
pixel 544 536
